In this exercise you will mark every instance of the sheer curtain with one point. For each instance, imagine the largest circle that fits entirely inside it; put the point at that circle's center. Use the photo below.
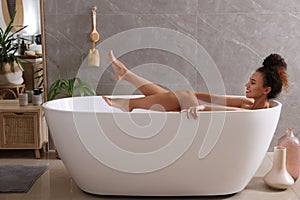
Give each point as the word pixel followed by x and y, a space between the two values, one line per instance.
pixel 31 16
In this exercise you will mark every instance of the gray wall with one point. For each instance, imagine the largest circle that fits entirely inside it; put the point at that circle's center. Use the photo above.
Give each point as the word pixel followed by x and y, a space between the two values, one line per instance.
pixel 236 34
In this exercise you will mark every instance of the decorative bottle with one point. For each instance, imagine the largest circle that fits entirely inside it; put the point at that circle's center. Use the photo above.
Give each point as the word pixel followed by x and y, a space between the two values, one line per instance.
pixel 278 177
pixel 23 47
pixel 292 145
pixel 37 97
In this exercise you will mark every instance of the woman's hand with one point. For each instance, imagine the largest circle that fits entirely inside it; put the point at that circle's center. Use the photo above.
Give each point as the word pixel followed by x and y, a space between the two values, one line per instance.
pixel 192 111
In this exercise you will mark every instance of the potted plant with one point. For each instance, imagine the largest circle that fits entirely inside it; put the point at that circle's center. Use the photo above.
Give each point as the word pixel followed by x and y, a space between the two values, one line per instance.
pixel 11 70
pixel 69 88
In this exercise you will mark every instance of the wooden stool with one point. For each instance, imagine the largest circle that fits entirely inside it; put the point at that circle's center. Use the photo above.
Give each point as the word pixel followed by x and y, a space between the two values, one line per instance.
pixel 12 90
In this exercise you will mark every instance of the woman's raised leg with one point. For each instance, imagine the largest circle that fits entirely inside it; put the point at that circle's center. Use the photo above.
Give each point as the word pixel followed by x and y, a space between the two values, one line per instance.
pixel 146 87
pixel 167 101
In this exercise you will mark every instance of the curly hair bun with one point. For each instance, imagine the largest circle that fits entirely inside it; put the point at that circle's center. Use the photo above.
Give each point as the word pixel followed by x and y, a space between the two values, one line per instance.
pixel 274 61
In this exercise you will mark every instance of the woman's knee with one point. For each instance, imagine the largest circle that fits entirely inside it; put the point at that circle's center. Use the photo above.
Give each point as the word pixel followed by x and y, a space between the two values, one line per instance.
pixel 185 94
pixel 186 98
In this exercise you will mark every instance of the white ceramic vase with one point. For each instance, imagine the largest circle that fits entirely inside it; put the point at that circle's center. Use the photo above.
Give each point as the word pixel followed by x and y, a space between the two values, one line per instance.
pixel 278 177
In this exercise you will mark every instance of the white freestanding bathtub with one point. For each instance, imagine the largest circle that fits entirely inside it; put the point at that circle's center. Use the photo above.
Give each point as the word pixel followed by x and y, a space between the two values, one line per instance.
pixel 148 153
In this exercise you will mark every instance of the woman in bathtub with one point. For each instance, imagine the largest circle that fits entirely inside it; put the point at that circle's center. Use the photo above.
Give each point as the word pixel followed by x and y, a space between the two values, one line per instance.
pixel 264 84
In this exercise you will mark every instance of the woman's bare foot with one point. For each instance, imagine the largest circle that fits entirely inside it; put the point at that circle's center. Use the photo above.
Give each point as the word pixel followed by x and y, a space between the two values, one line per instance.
pixel 122 104
pixel 119 68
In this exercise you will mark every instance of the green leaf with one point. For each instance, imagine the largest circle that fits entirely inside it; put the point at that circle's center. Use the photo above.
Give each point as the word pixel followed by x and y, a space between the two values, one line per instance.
pixel 70 87
pixel 54 90
pixel 14 33
pixel 7 41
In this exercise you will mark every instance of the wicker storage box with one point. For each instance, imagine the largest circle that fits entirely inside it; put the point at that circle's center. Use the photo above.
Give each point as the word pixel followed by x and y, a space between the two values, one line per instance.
pixel 19 130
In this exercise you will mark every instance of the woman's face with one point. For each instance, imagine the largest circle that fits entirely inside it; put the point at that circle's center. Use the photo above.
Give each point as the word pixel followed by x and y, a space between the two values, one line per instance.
pixel 255 86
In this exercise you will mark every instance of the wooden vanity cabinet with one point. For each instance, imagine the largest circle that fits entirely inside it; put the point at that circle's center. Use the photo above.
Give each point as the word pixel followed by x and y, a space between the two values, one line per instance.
pixel 22 127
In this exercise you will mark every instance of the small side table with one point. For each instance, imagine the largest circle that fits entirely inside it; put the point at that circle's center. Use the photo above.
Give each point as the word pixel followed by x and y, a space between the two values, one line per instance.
pixel 12 90
pixel 22 127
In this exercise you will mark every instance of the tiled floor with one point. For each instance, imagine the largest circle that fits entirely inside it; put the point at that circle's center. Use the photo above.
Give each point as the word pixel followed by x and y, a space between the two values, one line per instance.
pixel 56 184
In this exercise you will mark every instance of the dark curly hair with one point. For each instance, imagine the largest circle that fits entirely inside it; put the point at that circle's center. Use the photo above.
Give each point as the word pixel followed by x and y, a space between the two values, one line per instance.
pixel 275 76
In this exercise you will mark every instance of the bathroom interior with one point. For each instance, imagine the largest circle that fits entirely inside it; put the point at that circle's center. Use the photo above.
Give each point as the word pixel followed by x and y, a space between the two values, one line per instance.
pixel 236 36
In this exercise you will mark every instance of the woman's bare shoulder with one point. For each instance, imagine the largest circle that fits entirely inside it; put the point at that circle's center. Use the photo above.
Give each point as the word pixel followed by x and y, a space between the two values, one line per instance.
pixel 247 103
pixel 239 102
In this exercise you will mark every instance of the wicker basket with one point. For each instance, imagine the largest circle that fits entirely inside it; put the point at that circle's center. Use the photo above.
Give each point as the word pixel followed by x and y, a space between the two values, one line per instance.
pixel 20 130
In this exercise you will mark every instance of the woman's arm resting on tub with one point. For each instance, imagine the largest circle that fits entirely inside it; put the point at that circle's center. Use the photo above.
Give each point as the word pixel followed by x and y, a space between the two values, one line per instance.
pixel 192 111
pixel 224 100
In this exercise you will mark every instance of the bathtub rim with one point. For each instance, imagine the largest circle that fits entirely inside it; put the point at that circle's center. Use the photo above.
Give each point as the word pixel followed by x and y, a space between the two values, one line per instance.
pixel 48 106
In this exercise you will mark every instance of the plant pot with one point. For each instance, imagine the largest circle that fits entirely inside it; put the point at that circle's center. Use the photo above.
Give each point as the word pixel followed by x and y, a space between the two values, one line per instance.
pixel 11 76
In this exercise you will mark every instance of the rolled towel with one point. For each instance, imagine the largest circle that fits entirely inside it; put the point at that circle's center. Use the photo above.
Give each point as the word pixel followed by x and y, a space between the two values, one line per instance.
pixel 29 53
pixel 38 53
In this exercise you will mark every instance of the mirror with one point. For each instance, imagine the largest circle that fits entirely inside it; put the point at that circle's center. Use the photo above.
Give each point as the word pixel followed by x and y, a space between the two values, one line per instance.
pixel 8 9
pixel 32 50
